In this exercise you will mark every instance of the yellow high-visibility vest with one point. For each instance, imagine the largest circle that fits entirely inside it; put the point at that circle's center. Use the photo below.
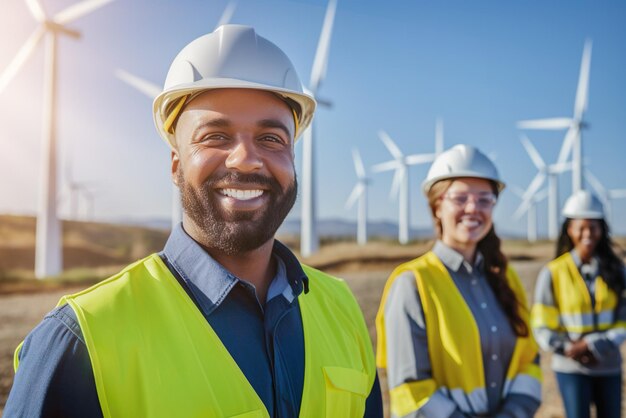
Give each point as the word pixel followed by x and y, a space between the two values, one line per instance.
pixel 154 355
pixel 454 344
pixel 574 312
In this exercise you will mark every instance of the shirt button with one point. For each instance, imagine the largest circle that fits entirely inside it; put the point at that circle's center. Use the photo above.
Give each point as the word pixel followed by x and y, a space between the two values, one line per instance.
pixel 494 357
pixel 494 329
pixel 483 305
pixel 474 282
pixel 493 384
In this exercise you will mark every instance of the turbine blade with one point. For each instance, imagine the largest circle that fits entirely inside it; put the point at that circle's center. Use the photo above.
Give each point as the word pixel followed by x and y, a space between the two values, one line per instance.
pixel 78 10
pixel 519 192
pixel 617 193
pixel 521 209
pixel 559 168
pixel 397 180
pixel 583 82
pixel 595 184
pixel 318 72
pixel 568 144
pixel 149 89
pixel 416 159
pixel 389 165
pixel 391 146
pixel 439 136
pixel 22 55
pixel 356 192
pixel 534 186
pixel 548 124
pixel 532 153
pixel 227 14
pixel 542 194
pixel 358 163
pixel 36 10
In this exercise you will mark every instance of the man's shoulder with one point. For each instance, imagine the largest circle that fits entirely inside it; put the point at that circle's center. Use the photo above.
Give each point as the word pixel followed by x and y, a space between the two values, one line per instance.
pixel 329 287
pixel 320 278
pixel 148 266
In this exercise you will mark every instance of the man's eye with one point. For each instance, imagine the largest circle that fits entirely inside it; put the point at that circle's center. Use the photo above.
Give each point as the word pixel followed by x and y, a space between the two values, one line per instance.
pixel 272 138
pixel 213 137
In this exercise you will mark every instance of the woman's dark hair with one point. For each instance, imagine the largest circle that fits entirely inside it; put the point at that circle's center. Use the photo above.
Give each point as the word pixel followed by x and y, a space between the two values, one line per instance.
pixel 610 264
pixel 495 262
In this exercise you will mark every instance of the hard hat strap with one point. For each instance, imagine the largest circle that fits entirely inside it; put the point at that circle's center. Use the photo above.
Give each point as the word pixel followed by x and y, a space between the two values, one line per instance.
pixel 168 125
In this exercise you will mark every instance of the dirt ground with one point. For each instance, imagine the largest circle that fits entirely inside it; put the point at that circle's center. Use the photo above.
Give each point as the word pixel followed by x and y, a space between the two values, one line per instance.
pixel 20 312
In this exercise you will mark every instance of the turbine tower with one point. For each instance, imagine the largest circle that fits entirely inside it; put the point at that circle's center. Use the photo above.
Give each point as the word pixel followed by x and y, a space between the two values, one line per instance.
pixel 530 209
pixel 400 184
pixel 48 248
pixel 359 193
pixel 606 196
pixel 152 90
pixel 309 239
pixel 544 171
pixel 574 125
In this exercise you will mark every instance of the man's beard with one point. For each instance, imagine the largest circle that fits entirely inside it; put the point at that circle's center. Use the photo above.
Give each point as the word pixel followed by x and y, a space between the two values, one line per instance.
pixel 238 231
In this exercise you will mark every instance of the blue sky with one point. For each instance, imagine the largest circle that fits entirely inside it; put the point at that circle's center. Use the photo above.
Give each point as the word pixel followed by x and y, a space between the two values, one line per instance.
pixel 394 65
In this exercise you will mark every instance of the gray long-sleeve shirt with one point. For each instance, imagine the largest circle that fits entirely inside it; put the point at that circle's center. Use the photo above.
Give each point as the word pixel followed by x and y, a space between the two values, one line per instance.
pixel 407 344
pixel 603 344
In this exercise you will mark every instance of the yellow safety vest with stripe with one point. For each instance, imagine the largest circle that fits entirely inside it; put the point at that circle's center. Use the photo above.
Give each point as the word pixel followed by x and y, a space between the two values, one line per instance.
pixel 454 344
pixel 154 354
pixel 574 313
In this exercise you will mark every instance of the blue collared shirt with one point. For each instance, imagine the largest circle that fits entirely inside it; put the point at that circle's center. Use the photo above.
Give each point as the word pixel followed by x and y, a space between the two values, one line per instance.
pixel 55 377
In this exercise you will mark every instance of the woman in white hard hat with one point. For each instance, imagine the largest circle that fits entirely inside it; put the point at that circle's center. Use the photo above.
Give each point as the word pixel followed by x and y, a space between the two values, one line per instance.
pixel 579 312
pixel 452 326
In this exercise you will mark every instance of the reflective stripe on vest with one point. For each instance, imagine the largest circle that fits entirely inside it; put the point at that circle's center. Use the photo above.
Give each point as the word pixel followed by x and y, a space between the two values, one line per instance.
pixel 575 313
pixel 154 354
pixel 453 339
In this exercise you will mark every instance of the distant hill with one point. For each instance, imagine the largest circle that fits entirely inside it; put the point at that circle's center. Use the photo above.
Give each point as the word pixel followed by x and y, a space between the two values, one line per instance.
pixel 336 228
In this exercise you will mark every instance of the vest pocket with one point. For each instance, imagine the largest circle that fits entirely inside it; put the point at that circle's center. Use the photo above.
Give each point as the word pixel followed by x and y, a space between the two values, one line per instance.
pixel 346 390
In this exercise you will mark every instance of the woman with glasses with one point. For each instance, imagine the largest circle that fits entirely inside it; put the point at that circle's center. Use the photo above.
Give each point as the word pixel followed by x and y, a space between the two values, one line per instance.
pixel 452 326
pixel 579 312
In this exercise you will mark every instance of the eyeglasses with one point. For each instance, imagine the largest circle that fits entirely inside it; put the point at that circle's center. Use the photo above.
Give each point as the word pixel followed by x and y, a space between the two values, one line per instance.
pixel 485 200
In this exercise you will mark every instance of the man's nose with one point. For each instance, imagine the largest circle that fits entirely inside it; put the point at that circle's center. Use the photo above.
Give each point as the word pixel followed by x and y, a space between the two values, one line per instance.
pixel 244 157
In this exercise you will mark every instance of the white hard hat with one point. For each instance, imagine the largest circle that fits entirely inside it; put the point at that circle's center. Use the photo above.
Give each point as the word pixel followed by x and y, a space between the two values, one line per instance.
pixel 461 161
pixel 233 56
pixel 583 205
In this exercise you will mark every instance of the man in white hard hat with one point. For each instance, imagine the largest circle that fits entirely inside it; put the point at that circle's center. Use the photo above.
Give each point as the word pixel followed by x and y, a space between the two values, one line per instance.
pixel 225 321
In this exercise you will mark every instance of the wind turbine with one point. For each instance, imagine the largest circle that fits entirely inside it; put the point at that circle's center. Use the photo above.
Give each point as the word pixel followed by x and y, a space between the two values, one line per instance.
pixel 574 125
pixel 359 193
pixel 606 196
pixel 400 184
pixel 438 136
pixel 152 90
pixel 309 239
pixel 530 209
pixel 48 248
pixel 544 171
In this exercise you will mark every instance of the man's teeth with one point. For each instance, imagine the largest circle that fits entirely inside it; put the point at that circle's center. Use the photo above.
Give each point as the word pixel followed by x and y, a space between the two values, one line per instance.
pixel 241 194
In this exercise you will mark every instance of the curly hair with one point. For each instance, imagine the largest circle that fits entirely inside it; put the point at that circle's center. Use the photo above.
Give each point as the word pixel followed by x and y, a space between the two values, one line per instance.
pixel 610 264
pixel 495 262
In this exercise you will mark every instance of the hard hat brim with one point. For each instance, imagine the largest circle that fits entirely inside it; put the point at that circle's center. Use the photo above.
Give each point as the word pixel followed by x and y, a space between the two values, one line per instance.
pixel 306 102
pixel 427 184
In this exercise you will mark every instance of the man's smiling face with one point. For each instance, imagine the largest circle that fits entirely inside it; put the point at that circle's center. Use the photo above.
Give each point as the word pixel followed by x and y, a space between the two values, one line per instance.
pixel 234 165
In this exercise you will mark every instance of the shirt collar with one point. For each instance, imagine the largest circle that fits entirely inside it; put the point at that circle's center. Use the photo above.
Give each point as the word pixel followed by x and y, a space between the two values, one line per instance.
pixel 210 282
pixel 592 267
pixel 453 260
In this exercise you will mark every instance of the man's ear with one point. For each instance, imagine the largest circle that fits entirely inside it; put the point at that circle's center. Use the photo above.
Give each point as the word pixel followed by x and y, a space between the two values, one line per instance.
pixel 175 166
